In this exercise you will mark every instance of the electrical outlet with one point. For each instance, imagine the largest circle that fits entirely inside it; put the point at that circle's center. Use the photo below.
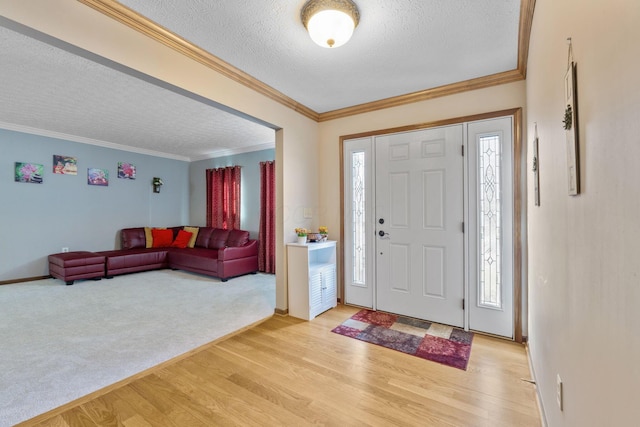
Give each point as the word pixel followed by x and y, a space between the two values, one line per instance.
pixel 559 391
pixel 65 250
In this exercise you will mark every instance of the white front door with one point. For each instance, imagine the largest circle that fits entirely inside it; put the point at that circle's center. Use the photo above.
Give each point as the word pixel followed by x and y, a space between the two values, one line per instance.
pixel 417 189
pixel 419 231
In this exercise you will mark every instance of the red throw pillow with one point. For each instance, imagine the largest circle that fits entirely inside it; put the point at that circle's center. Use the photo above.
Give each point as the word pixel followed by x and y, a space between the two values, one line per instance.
pixel 161 238
pixel 182 239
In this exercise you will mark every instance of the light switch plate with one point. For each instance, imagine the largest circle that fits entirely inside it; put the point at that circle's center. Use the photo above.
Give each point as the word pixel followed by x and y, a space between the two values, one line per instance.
pixel 308 213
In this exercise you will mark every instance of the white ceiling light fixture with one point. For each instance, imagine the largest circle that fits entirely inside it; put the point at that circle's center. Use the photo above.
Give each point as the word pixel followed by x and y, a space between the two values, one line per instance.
pixel 330 23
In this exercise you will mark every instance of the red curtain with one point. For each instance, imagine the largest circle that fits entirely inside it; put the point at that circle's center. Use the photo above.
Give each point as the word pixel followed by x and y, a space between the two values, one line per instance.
pixel 223 197
pixel 267 234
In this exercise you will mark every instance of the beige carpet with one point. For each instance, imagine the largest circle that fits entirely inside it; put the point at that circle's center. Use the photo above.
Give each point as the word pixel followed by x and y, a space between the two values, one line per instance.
pixel 59 343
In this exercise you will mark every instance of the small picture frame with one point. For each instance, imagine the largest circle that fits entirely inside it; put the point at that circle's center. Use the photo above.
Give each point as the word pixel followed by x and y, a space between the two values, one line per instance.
pixel 65 165
pixel 126 170
pixel 97 176
pixel 29 172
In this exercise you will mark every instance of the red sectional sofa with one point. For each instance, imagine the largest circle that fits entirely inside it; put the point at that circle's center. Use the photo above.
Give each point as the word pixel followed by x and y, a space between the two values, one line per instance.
pixel 215 252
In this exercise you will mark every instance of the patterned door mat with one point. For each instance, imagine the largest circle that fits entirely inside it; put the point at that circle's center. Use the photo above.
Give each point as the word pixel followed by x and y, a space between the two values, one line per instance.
pixel 432 341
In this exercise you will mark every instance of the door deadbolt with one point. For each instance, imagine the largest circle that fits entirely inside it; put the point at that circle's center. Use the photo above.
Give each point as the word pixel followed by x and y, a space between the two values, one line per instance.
pixel 381 220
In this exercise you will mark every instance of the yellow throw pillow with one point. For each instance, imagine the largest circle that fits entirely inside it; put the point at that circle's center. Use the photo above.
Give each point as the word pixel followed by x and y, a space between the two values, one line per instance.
pixel 194 236
pixel 148 237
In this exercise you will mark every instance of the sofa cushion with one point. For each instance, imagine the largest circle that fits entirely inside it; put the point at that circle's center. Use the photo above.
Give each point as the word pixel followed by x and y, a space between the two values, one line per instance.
pixel 175 230
pixel 218 238
pixel 194 235
pixel 148 237
pixel 197 259
pixel 204 233
pixel 131 260
pixel 182 239
pixel 161 237
pixel 238 238
pixel 131 238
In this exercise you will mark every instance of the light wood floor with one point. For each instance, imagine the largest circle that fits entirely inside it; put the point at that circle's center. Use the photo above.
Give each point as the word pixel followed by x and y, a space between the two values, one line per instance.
pixel 291 372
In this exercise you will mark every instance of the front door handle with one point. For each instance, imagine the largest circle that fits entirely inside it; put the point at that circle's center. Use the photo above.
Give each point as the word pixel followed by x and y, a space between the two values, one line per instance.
pixel 382 233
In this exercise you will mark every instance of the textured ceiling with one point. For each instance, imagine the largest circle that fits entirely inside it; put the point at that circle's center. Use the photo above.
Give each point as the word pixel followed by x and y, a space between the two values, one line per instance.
pixel 399 47
pixel 75 96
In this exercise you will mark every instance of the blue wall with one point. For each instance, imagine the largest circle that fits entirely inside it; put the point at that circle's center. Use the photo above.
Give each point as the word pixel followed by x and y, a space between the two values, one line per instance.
pixel 250 191
pixel 39 219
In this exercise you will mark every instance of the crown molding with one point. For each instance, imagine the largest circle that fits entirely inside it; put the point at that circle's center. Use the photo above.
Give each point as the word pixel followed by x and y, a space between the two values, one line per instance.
pixel 524 34
pixel 423 95
pixel 132 19
pixel 90 141
pixel 162 35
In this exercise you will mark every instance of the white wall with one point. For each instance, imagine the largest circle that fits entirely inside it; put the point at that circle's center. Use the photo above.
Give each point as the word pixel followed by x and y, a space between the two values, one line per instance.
pixel 584 251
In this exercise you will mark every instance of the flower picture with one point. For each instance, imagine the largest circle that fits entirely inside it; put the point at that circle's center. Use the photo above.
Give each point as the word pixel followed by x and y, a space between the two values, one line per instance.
pixel 29 172
pixel 126 170
pixel 97 176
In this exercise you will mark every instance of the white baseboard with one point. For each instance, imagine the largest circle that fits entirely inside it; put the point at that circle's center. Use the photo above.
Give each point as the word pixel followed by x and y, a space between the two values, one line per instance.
pixel 532 371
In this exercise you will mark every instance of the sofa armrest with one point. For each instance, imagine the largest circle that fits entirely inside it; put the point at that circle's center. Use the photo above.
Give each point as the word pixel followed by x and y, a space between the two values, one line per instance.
pixel 231 252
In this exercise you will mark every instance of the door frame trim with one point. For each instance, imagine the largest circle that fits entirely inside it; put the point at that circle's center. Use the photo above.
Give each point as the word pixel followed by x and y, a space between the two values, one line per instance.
pixel 518 192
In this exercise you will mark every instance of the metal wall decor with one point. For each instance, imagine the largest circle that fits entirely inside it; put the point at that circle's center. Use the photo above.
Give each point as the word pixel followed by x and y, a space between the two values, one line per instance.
pixel 536 167
pixel 570 124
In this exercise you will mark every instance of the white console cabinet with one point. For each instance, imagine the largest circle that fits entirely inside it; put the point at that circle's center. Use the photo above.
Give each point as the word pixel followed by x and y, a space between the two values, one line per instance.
pixel 312 278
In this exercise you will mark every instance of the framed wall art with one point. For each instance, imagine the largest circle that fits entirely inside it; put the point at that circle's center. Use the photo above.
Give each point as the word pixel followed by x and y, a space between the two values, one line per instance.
pixel 29 172
pixel 65 165
pixel 96 176
pixel 570 122
pixel 126 170
pixel 536 169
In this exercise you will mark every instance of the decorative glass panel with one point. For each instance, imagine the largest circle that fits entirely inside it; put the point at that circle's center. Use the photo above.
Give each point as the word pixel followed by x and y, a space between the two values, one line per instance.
pixel 490 219
pixel 358 209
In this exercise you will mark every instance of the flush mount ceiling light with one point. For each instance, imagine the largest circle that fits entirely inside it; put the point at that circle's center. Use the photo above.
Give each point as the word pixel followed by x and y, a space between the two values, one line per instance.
pixel 330 22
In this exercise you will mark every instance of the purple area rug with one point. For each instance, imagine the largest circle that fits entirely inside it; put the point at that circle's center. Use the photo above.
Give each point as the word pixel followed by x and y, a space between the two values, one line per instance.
pixel 432 341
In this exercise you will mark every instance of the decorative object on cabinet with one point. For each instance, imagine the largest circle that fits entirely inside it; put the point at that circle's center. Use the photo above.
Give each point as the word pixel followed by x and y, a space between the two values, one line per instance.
pixel 312 278
pixel 570 124
pixel 314 237
pixel 157 183
pixel 302 235
pixel 320 236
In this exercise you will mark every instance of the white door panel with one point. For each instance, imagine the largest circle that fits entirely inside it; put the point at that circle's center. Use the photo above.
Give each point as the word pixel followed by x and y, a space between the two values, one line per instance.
pixel 419 198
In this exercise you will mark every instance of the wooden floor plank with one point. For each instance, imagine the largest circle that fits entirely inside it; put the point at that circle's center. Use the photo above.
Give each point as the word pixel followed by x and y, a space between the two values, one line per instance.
pixel 287 371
